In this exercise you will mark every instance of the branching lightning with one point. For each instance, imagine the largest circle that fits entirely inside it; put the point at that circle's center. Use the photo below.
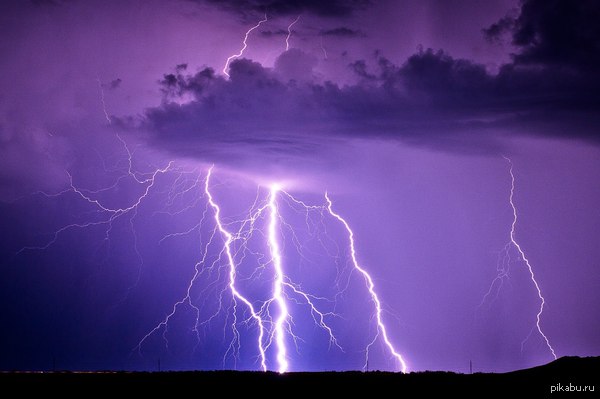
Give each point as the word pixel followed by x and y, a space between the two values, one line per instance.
pixel 503 267
pixel 232 272
pixel 381 328
pixel 289 33
pixel 244 46
pixel 110 214
pixel 271 316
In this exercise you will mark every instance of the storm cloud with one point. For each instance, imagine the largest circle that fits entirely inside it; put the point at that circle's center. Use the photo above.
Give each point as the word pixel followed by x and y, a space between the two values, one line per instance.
pixel 554 32
pixel 431 100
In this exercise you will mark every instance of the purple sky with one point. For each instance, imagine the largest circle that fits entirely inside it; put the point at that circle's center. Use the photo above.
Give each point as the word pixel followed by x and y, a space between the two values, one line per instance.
pixel 401 110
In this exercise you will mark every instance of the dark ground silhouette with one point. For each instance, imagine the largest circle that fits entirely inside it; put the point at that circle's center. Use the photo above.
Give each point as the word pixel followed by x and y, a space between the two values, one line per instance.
pixel 560 376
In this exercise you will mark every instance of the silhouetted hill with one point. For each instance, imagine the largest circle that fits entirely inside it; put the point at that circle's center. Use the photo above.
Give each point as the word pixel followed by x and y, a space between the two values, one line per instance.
pixel 566 373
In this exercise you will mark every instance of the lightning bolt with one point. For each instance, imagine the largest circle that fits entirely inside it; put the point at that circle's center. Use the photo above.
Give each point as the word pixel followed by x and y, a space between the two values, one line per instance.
pixel 112 213
pixel 278 283
pixel 525 260
pixel 223 256
pixel 232 271
pixel 245 45
pixel 289 34
pixel 381 328
pixel 271 316
pixel 102 100
pixel 503 266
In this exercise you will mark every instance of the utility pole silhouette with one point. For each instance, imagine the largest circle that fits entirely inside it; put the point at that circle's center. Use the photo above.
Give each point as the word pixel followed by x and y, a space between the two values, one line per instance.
pixel 470 366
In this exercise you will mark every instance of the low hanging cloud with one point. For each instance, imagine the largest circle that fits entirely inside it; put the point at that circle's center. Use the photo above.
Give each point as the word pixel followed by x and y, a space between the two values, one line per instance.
pixel 431 100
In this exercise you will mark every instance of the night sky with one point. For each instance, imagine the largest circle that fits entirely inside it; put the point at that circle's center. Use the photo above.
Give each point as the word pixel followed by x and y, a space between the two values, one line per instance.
pixel 409 114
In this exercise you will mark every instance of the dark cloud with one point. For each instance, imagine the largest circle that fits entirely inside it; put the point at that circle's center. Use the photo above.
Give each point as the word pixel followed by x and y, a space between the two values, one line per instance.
pixel 555 32
pixel 271 33
pixel 343 32
pixel 497 30
pixel 361 70
pixel 431 100
pixel 295 65
pixel 329 8
pixel 545 101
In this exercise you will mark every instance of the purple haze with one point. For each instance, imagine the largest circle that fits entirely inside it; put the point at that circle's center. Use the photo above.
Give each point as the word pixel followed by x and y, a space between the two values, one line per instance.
pixel 401 110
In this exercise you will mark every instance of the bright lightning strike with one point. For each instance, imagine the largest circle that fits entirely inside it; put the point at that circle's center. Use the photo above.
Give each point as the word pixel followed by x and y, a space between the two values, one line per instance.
pixel 245 45
pixel 232 271
pixel 503 266
pixel 524 258
pixel 223 285
pixel 278 283
pixel 289 34
pixel 272 316
pixel 381 328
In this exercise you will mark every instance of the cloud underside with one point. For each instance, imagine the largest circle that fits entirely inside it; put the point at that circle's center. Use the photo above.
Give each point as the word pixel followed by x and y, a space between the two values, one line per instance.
pixel 431 100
